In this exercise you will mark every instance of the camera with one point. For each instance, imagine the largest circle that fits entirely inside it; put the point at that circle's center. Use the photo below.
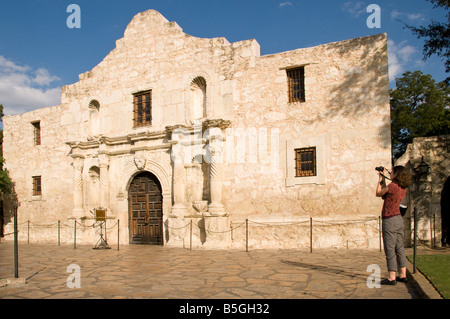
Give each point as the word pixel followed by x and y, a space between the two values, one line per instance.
pixel 379 168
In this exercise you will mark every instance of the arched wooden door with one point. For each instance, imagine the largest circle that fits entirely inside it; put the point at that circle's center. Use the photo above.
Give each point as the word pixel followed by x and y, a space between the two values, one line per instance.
pixel 145 210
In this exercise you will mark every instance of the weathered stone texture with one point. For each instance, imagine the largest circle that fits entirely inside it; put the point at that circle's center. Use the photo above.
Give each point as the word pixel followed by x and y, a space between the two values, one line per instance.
pixel 244 97
pixel 425 193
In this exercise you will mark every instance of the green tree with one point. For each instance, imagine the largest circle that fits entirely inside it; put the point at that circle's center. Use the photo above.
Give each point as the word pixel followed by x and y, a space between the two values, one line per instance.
pixel 436 35
pixel 5 181
pixel 419 108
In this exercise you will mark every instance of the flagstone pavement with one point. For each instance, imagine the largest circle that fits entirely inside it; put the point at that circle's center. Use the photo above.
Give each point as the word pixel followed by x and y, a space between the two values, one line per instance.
pixel 135 271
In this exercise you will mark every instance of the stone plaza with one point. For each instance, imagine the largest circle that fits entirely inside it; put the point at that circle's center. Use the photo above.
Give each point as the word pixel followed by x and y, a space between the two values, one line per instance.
pixel 138 271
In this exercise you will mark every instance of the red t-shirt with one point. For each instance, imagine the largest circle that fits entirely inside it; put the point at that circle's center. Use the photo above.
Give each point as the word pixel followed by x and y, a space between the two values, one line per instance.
pixel 391 205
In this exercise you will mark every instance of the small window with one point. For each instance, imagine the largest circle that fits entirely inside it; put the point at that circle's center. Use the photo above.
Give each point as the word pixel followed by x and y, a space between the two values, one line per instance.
pixel 305 162
pixel 296 84
pixel 94 105
pixel 37 133
pixel 37 187
pixel 142 109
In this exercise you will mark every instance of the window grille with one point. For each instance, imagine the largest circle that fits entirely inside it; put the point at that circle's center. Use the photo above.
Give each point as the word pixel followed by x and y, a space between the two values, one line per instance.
pixel 37 187
pixel 296 84
pixel 37 133
pixel 142 109
pixel 305 162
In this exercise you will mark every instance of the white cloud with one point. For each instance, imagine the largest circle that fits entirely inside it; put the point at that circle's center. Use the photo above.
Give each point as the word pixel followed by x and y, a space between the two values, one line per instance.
pixel 399 55
pixel 286 3
pixel 354 8
pixel 415 16
pixel 43 78
pixel 23 89
pixel 6 65
pixel 412 17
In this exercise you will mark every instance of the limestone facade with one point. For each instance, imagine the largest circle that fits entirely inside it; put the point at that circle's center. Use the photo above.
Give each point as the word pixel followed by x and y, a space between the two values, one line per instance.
pixel 425 193
pixel 218 135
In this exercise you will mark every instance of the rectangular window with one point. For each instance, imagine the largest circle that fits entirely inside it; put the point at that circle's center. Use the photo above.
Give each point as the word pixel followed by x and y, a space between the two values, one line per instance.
pixel 296 84
pixel 142 109
pixel 37 187
pixel 37 132
pixel 305 162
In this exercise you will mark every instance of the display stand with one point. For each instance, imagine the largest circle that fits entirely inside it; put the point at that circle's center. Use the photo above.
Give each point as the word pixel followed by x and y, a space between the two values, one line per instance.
pixel 100 217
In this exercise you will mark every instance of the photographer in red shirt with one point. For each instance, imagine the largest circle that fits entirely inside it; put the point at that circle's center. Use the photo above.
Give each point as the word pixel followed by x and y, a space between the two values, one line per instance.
pixel 392 225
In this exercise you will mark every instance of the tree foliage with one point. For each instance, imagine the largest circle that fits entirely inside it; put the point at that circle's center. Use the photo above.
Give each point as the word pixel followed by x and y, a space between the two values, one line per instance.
pixel 5 181
pixel 419 108
pixel 436 35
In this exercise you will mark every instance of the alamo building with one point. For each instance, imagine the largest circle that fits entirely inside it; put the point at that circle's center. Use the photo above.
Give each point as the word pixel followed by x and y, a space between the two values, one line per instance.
pixel 183 141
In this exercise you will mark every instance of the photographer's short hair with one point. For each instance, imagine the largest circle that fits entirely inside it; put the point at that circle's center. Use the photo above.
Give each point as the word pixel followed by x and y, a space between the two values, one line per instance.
pixel 402 176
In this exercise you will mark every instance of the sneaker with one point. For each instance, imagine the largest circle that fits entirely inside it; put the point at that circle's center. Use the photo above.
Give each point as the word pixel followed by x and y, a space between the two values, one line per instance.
pixel 388 282
pixel 404 279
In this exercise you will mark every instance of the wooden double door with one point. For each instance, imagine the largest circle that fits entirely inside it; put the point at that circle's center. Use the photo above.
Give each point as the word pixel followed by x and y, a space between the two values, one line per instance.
pixel 145 210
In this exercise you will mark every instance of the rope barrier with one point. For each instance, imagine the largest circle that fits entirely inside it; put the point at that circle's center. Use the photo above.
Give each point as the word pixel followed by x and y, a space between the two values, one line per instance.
pixel 239 226
pixel 370 222
pixel 113 226
pixel 275 224
pixel 344 222
pixel 8 234
pixel 89 226
pixel 48 225
pixel 169 227
pixel 221 232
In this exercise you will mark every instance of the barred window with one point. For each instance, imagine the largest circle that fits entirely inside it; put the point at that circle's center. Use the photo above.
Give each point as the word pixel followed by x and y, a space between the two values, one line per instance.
pixel 296 84
pixel 37 132
pixel 142 109
pixel 37 187
pixel 305 162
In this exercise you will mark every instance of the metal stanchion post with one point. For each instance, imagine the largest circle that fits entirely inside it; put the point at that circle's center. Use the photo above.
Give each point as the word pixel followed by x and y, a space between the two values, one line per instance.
pixel 431 232
pixel 379 230
pixel 246 235
pixel 16 246
pixel 59 232
pixel 28 232
pixel 434 231
pixel 161 227
pixel 310 235
pixel 415 240
pixel 75 234
pixel 190 240
pixel 118 232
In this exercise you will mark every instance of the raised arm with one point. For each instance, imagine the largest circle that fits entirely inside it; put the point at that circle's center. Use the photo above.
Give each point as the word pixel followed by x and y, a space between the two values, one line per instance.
pixel 382 189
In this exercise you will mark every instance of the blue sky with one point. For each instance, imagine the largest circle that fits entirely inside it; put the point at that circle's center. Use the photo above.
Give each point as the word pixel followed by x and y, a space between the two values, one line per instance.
pixel 39 53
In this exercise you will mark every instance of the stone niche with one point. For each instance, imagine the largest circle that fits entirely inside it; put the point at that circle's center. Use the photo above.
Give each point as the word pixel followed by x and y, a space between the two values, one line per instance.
pixel 196 155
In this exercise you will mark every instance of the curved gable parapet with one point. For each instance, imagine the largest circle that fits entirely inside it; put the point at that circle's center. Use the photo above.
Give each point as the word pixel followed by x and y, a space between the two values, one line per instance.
pixel 149 22
pixel 154 50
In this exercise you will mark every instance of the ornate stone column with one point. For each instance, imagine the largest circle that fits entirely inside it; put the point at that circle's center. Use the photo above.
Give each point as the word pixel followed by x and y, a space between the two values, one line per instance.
pixel 78 163
pixel 215 158
pixel 179 209
pixel 216 219
pixel 216 172
pixel 104 180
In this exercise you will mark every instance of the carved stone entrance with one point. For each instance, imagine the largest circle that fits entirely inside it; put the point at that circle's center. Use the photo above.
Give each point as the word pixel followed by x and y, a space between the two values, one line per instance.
pixel 145 210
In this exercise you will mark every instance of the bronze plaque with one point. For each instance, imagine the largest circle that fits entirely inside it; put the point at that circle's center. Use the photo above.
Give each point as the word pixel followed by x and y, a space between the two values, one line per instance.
pixel 100 215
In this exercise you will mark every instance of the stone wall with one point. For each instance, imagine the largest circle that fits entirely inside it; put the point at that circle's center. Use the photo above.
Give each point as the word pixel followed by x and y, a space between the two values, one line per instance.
pixel 346 114
pixel 48 160
pixel 425 191
pixel 91 150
